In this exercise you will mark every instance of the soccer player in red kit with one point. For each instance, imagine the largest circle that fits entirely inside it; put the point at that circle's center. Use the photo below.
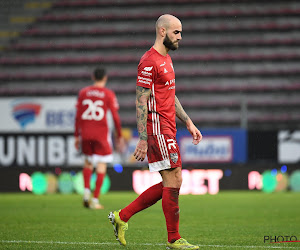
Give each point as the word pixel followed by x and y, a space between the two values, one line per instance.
pixel 92 132
pixel 157 107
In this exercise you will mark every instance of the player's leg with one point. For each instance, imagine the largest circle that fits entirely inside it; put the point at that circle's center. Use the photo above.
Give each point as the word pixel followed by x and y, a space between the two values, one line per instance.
pixel 172 180
pixel 149 197
pixel 120 218
pixel 87 171
pixel 101 172
pixel 102 155
pixel 152 194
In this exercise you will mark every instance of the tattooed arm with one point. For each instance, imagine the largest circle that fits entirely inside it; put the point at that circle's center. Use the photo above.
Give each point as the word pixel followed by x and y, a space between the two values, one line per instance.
pixel 181 114
pixel 142 96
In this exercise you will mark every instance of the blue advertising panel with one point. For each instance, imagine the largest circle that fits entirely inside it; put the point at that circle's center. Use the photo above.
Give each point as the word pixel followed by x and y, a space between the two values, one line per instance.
pixel 217 146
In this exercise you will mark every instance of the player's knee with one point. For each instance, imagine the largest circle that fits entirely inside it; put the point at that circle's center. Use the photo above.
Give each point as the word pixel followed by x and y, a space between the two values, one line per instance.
pixel 172 177
pixel 178 177
pixel 101 168
pixel 88 165
pixel 178 181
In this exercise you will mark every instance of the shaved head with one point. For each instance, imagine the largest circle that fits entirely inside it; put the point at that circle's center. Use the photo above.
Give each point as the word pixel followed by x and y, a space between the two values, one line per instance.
pixel 168 33
pixel 165 21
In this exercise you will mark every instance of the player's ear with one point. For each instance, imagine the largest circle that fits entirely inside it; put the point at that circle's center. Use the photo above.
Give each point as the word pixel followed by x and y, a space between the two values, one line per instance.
pixel 162 31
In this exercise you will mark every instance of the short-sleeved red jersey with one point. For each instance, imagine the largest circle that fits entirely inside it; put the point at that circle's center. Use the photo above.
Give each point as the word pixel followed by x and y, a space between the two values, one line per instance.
pixel 91 116
pixel 156 72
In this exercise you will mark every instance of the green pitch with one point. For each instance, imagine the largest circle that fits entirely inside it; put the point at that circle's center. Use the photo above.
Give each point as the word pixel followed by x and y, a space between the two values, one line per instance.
pixel 228 220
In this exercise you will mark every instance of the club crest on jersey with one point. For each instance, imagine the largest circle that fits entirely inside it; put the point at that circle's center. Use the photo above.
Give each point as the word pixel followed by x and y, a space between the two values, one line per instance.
pixel 174 157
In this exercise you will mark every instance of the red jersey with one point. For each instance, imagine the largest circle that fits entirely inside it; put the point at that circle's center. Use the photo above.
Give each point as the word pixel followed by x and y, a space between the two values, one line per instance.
pixel 91 116
pixel 156 72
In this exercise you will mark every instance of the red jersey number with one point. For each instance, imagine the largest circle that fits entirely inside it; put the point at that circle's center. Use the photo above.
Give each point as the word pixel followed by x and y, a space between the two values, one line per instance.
pixel 94 110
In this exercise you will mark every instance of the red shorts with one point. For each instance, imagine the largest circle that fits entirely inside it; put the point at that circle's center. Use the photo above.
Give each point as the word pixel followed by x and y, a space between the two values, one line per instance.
pixel 163 152
pixel 96 147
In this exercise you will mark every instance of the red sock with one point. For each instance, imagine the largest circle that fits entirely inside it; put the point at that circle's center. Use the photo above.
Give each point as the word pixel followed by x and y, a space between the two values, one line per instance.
pixel 100 177
pixel 171 211
pixel 146 199
pixel 87 177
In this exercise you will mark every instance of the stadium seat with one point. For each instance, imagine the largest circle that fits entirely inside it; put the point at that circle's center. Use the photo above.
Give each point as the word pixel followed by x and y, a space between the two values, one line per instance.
pixel 231 55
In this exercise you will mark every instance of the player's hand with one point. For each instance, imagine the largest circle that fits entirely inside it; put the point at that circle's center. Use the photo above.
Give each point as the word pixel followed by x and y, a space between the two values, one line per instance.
pixel 77 143
pixel 197 136
pixel 120 145
pixel 141 150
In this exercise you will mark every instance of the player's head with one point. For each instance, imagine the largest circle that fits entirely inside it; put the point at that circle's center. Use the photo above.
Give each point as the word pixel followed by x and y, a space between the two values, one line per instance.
pixel 99 74
pixel 99 77
pixel 168 29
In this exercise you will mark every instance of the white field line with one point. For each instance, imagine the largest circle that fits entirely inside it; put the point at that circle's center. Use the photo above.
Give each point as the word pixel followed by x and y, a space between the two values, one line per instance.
pixel 135 244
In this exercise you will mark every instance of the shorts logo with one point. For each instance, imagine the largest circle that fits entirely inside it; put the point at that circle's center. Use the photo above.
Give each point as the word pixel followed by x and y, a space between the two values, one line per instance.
pixel 171 143
pixel 174 157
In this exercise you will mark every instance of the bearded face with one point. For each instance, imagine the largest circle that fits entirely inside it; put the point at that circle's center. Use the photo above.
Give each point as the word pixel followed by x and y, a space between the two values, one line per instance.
pixel 169 44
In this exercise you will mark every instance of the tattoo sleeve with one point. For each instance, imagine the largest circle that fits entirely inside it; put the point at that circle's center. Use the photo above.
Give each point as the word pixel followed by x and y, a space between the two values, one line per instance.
pixel 142 96
pixel 180 113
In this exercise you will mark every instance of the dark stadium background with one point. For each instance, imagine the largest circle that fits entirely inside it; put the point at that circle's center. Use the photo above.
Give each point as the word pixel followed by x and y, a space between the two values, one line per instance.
pixel 237 68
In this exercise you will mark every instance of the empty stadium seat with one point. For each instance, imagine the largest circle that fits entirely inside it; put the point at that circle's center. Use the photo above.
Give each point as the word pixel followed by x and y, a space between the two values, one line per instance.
pixel 232 54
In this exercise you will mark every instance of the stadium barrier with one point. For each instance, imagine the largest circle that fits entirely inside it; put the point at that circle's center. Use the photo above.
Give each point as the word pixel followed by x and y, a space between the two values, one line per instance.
pixel 197 180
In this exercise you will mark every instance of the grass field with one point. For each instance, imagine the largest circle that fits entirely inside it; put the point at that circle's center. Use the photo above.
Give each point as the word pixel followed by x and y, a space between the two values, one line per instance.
pixel 228 220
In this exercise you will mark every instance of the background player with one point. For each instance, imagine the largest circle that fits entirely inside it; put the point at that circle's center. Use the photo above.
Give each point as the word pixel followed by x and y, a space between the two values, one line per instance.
pixel 157 107
pixel 92 132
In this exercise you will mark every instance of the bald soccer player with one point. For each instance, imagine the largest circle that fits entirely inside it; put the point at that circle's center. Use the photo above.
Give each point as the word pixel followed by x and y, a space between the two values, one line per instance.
pixel 157 107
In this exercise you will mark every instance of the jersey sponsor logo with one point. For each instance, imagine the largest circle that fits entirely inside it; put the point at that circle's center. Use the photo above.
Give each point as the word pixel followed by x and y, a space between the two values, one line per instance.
pixel 145 73
pixel 25 112
pixel 148 68
pixel 170 82
pixel 144 80
pixel 174 157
